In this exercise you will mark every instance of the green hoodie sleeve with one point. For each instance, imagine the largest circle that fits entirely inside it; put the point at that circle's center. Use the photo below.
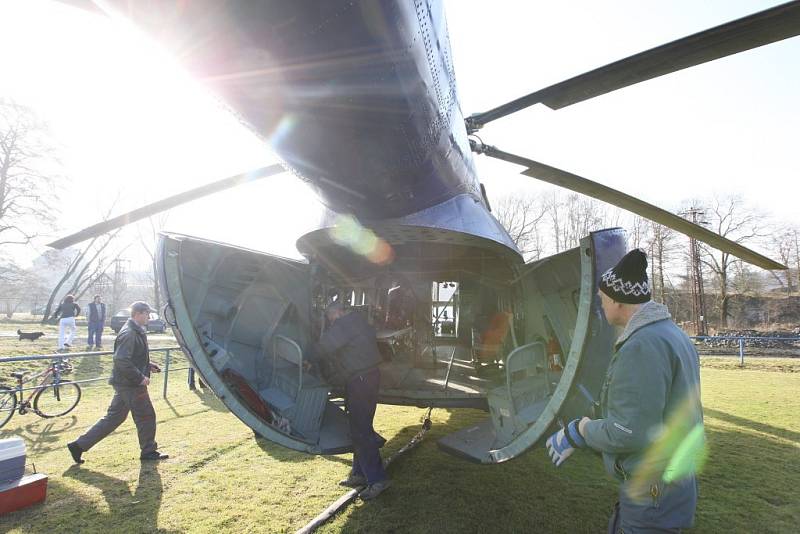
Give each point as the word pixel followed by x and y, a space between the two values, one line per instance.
pixel 637 395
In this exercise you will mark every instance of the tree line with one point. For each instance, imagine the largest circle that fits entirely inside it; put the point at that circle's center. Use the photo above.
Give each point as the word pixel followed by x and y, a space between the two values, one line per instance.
pixel 555 221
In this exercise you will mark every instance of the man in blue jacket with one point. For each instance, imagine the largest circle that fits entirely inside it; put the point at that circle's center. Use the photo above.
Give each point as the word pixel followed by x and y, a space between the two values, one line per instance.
pixel 130 377
pixel 96 317
pixel 651 432
pixel 350 347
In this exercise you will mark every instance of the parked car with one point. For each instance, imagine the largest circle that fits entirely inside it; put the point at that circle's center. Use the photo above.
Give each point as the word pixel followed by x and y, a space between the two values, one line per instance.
pixel 156 324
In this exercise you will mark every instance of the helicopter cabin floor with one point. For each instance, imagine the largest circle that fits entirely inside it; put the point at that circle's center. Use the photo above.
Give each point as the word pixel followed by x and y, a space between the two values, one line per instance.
pixel 426 377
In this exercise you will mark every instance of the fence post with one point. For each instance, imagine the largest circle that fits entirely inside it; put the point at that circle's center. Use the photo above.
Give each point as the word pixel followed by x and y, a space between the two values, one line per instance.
pixel 741 352
pixel 166 372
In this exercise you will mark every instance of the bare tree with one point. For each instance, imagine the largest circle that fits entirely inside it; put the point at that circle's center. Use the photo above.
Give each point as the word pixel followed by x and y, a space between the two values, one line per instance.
pixel 26 183
pixel 663 245
pixel 796 242
pixel 783 241
pixel 639 232
pixel 746 281
pixel 149 239
pixel 731 218
pixel 520 215
pixel 85 266
pixel 573 216
pixel 18 287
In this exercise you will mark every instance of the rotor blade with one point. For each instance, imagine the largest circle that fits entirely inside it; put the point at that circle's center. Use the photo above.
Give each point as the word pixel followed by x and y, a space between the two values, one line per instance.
pixel 576 183
pixel 165 204
pixel 765 27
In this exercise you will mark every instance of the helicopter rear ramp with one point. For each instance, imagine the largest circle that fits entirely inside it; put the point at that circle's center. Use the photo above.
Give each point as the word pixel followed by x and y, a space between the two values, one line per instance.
pixel 536 398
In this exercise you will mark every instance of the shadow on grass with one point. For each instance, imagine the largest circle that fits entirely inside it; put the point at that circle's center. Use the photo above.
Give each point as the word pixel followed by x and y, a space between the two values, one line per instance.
pixel 137 509
pixel 208 398
pixel 753 425
pixel 284 454
pixel 45 435
pixel 745 486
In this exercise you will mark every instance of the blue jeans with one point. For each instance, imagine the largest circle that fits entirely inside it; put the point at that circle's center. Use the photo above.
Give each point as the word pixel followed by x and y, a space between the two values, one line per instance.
pixel 361 396
pixel 668 509
pixel 95 333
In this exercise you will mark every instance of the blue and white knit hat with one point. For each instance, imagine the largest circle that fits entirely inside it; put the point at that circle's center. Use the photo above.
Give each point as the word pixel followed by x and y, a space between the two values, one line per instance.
pixel 627 282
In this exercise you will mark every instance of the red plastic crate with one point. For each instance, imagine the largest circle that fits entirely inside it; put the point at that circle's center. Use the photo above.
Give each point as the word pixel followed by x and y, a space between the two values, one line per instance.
pixel 21 493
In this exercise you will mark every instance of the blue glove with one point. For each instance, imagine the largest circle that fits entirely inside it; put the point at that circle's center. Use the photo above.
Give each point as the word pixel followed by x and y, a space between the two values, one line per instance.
pixel 563 443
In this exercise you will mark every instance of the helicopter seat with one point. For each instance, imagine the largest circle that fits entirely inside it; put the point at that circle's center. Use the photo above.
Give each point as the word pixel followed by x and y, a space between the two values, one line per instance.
pixel 294 394
pixel 483 353
pixel 517 403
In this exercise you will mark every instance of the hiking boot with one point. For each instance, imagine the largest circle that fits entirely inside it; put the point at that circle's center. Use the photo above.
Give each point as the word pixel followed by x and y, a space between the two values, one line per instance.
pixel 354 481
pixel 88 348
pixel 373 490
pixel 154 455
pixel 98 347
pixel 76 452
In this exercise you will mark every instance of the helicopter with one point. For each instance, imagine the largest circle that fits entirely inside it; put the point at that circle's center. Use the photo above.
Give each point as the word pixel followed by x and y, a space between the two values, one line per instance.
pixel 359 99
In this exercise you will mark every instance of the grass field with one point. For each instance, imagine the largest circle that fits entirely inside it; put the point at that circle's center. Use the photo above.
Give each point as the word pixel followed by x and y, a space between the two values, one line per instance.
pixel 220 479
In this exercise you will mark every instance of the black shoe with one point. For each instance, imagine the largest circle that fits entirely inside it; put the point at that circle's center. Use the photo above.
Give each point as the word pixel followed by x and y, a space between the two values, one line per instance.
pixel 76 452
pixel 354 481
pixel 154 455
pixel 373 490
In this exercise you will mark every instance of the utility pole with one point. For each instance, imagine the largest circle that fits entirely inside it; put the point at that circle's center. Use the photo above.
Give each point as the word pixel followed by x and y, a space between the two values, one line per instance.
pixel 697 216
pixel 118 284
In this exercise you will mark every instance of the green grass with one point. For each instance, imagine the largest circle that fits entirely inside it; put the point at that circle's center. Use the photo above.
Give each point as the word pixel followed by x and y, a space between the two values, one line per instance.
pixel 220 479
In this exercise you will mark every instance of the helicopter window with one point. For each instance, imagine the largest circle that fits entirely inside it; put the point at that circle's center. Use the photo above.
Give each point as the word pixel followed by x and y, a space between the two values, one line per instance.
pixel 444 308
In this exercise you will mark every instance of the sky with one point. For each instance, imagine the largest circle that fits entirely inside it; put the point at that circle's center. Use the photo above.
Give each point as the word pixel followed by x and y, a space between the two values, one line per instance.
pixel 132 127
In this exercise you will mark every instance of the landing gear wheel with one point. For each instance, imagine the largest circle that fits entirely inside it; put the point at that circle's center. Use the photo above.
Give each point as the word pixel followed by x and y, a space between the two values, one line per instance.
pixel 57 400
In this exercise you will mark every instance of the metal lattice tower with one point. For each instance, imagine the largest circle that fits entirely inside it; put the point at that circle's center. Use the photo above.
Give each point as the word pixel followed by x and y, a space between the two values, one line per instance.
pixel 119 283
pixel 697 216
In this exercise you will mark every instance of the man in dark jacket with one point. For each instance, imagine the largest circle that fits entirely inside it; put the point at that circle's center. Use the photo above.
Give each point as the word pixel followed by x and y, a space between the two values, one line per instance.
pixel 96 317
pixel 651 432
pixel 350 346
pixel 130 377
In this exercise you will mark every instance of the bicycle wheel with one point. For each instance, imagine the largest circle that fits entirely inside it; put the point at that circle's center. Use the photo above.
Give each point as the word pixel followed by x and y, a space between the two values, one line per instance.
pixel 55 400
pixel 8 403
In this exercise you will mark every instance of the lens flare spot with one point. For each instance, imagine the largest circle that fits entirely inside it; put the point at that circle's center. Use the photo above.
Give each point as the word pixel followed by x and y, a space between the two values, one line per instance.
pixel 282 129
pixel 383 253
pixel 689 457
pixel 348 232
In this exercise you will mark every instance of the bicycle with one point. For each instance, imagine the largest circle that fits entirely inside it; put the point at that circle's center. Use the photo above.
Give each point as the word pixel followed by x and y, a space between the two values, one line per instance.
pixel 52 396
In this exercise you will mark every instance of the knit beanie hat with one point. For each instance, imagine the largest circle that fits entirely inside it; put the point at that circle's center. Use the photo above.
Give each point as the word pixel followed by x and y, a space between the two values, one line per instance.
pixel 626 282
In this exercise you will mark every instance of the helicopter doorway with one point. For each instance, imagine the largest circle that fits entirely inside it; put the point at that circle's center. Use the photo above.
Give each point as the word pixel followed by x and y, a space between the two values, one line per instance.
pixel 444 309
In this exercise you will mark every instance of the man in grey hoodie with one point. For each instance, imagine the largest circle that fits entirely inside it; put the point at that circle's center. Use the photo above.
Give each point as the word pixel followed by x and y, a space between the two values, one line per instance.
pixel 651 432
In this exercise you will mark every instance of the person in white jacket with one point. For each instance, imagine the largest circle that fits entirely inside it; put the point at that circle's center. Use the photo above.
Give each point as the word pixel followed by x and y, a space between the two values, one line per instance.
pixel 67 311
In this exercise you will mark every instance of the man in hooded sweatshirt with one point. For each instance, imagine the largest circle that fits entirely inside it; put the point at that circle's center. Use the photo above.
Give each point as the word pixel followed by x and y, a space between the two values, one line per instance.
pixel 651 431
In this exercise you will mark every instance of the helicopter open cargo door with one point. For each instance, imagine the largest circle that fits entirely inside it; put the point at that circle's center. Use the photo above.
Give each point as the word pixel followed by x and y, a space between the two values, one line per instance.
pixel 556 371
pixel 243 319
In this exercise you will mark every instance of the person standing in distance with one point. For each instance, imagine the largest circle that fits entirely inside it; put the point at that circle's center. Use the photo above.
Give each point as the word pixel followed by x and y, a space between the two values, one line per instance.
pixel 68 310
pixel 651 433
pixel 96 317
pixel 130 377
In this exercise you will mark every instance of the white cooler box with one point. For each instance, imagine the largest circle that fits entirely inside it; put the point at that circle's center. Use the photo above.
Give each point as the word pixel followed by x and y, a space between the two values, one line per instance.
pixel 12 459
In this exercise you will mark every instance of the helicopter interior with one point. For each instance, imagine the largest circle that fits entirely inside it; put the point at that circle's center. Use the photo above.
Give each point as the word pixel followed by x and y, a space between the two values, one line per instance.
pixel 502 346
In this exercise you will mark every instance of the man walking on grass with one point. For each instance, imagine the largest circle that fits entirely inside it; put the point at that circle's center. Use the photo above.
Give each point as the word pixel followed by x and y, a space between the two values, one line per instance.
pixel 651 432
pixel 130 377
